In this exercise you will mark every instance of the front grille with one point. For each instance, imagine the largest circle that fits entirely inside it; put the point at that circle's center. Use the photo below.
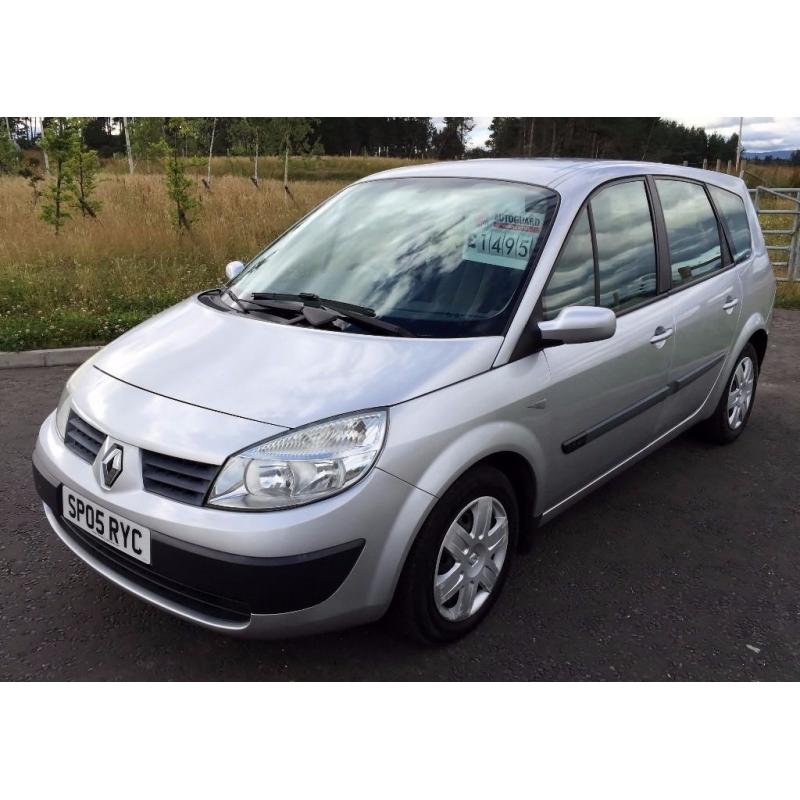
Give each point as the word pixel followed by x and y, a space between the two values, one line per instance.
pixel 177 478
pixel 82 438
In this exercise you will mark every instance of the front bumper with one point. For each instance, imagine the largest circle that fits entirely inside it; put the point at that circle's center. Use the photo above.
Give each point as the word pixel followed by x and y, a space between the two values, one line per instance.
pixel 330 564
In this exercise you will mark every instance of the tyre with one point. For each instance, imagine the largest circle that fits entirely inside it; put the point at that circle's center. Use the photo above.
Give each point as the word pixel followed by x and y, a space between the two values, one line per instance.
pixel 460 559
pixel 733 410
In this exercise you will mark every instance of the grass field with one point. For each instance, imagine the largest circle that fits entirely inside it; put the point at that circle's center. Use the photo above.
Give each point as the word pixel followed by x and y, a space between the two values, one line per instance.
pixel 780 175
pixel 100 277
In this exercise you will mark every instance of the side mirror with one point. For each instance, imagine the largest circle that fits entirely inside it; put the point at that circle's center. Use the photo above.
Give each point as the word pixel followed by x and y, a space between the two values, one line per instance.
pixel 233 269
pixel 577 324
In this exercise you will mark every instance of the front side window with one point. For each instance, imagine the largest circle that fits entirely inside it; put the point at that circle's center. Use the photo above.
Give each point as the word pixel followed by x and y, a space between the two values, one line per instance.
pixel 622 271
pixel 626 250
pixel 692 230
pixel 438 256
pixel 734 216
pixel 572 282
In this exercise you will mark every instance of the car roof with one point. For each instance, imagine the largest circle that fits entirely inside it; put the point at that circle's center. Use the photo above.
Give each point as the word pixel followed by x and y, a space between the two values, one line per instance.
pixel 565 174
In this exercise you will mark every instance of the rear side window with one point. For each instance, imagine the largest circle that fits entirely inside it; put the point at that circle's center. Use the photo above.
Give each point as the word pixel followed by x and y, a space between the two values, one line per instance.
pixel 626 250
pixel 572 281
pixel 692 230
pixel 734 217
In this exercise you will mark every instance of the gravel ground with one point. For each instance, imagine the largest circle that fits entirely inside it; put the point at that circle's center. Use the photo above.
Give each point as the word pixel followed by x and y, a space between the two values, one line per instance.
pixel 686 567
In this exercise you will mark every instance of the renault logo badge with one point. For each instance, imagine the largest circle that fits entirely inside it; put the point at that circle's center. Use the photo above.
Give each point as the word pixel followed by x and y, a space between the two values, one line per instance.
pixel 112 466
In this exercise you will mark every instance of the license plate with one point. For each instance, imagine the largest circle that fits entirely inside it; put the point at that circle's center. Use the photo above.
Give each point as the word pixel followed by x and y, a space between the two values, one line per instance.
pixel 121 533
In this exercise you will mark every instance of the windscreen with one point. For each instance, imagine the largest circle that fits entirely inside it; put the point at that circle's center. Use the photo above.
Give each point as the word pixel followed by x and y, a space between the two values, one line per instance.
pixel 439 256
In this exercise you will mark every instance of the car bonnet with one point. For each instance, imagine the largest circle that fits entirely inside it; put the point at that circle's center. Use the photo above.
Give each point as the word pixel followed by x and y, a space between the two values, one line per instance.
pixel 281 374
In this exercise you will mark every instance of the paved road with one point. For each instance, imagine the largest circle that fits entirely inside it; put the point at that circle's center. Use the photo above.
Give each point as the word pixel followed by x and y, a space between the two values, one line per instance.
pixel 669 572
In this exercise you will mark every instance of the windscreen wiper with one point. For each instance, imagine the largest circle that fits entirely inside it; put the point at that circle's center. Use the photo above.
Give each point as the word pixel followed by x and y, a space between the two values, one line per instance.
pixel 311 299
pixel 319 311
pixel 223 290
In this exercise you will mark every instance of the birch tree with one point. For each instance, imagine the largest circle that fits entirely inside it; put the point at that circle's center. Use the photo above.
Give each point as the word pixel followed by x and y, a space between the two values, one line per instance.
pixel 207 180
pixel 128 145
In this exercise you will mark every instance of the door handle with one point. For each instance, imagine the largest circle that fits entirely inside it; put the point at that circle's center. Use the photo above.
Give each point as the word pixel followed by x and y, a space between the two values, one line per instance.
pixel 660 335
pixel 730 303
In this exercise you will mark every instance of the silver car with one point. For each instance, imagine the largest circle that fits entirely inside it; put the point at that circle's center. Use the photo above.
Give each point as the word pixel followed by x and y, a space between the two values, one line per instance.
pixel 372 413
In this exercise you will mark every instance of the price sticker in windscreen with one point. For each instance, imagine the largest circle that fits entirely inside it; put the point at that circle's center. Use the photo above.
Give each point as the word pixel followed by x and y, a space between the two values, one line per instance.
pixel 504 239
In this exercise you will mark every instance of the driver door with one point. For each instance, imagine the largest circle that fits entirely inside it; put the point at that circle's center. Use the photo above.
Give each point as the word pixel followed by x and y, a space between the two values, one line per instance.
pixel 604 397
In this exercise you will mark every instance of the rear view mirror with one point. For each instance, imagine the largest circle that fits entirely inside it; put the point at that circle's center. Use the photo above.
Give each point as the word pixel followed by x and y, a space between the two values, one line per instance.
pixel 233 269
pixel 577 324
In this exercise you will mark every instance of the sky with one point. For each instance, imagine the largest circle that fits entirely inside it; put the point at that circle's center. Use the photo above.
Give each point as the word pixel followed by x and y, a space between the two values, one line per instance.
pixel 758 133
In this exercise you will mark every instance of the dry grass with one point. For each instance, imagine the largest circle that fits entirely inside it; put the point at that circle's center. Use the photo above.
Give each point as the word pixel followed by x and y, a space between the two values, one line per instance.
pixel 235 220
pixel 99 277
pixel 788 295
pixel 780 175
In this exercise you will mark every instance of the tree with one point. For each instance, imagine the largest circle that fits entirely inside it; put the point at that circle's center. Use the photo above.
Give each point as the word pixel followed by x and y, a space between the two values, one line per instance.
pixel 287 135
pixel 59 141
pixel 147 138
pixel 9 156
pixel 178 185
pixel 451 141
pixel 607 137
pixel 83 166
pixel 794 159
pixel 9 150
pixel 128 149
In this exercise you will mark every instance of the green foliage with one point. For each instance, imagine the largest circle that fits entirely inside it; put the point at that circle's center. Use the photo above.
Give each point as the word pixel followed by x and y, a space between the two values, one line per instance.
pixel 636 138
pixel 83 166
pixel 9 152
pixel 451 141
pixel 147 137
pixel 60 141
pixel 270 135
pixel 179 186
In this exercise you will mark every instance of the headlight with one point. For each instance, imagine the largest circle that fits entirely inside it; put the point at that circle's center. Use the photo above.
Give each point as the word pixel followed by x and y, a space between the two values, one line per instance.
pixel 62 412
pixel 302 465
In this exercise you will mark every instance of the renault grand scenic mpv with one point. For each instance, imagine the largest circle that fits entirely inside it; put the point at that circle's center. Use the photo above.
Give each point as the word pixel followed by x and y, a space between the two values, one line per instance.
pixel 372 412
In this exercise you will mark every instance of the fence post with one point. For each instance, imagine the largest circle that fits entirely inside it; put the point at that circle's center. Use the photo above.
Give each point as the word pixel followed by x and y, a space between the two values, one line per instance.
pixel 719 165
pixel 705 163
pixel 685 163
pixel 729 167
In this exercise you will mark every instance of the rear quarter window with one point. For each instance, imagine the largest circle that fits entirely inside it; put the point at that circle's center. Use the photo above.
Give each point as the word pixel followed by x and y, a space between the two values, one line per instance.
pixel 692 230
pixel 734 218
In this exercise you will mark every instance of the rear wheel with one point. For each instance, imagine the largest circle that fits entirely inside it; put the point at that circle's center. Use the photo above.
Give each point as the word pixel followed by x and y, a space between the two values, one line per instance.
pixel 736 404
pixel 461 558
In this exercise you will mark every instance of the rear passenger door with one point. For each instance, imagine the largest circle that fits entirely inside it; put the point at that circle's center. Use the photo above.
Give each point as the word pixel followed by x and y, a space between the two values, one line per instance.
pixel 705 291
pixel 604 396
